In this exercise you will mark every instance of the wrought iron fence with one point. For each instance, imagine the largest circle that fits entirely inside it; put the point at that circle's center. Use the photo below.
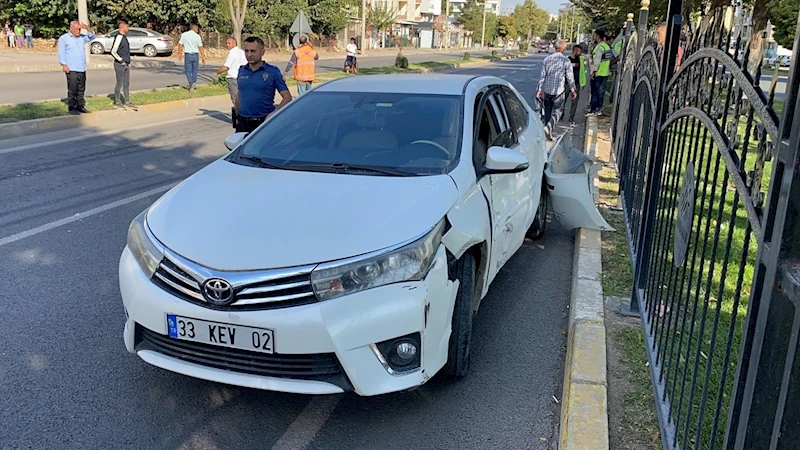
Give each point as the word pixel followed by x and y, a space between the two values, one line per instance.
pixel 707 184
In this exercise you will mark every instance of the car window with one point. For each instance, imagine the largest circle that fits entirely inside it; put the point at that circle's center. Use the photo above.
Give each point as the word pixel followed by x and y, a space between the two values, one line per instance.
pixel 506 135
pixel 136 33
pixel 516 109
pixel 488 131
pixel 413 133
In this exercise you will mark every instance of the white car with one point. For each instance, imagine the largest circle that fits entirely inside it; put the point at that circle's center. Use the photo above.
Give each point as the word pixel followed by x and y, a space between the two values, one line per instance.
pixel 346 244
pixel 784 61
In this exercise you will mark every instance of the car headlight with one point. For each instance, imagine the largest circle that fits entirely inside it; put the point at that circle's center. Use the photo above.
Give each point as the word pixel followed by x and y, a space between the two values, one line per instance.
pixel 146 250
pixel 410 262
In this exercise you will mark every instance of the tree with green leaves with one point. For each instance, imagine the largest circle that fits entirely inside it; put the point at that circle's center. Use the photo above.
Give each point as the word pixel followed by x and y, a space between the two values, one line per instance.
pixel 380 16
pixel 506 27
pixel 472 17
pixel 530 20
pixel 783 15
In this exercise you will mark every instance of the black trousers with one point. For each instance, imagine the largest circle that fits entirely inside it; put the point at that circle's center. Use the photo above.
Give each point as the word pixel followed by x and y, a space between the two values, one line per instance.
pixel 123 74
pixel 553 109
pixel 76 86
pixel 247 124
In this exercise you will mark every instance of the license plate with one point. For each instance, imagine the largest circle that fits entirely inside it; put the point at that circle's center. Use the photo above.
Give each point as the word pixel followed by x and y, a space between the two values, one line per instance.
pixel 221 334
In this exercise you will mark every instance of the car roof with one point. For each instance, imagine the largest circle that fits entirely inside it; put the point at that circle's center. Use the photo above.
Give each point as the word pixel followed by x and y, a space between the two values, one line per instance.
pixel 443 84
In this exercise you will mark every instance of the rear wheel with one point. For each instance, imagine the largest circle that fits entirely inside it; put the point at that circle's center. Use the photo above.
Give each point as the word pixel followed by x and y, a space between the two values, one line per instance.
pixel 537 229
pixel 461 336
pixel 150 51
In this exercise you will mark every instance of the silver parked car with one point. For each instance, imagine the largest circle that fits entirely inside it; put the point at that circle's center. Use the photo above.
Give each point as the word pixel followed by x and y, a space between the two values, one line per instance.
pixel 142 40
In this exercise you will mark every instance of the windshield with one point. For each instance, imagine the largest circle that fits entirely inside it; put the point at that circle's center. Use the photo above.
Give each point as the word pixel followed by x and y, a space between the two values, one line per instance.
pixel 408 134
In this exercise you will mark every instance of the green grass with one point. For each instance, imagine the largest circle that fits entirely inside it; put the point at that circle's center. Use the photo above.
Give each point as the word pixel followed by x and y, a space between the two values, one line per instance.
pixel 29 111
pixel 639 414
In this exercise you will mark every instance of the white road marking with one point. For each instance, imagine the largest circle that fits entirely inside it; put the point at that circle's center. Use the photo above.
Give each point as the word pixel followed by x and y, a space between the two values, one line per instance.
pixel 307 424
pixel 100 133
pixel 82 215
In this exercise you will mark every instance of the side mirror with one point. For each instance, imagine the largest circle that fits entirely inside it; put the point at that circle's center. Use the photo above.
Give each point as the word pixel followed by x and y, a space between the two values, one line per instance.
pixel 234 140
pixel 503 160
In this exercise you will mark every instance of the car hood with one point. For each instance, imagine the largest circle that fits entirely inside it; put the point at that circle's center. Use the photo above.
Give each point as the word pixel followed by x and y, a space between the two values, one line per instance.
pixel 234 217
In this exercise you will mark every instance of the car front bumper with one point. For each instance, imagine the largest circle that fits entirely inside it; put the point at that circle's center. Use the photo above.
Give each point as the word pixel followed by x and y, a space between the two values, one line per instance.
pixel 345 327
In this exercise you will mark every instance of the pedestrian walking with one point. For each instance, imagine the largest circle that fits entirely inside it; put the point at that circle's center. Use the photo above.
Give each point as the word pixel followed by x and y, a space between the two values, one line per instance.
pixel 351 62
pixel 258 82
pixel 556 76
pixel 29 35
pixel 578 62
pixel 12 38
pixel 303 60
pixel 235 60
pixel 72 57
pixel 19 31
pixel 121 52
pixel 601 67
pixel 192 52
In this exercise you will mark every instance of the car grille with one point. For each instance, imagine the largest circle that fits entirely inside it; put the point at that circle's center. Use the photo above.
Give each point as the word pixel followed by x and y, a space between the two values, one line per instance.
pixel 318 367
pixel 252 291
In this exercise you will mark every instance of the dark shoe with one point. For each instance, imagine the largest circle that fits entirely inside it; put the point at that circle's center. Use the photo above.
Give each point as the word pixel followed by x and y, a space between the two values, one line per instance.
pixel 74 112
pixel 548 133
pixel 83 110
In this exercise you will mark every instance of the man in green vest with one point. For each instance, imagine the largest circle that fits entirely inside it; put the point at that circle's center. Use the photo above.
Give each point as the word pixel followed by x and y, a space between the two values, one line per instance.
pixel 579 72
pixel 616 53
pixel 601 68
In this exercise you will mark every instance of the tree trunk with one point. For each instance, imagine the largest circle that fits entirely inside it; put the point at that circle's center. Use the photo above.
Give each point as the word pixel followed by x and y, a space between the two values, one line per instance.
pixel 238 10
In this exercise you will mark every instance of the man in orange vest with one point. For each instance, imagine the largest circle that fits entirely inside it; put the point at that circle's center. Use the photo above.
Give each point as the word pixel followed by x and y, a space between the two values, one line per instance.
pixel 304 68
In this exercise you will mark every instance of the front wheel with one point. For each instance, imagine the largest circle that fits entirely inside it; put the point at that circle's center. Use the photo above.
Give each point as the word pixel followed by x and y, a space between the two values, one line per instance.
pixel 150 51
pixel 536 231
pixel 97 48
pixel 461 335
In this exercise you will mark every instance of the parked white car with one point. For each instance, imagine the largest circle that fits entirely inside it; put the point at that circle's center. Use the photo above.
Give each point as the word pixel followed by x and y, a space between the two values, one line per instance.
pixel 346 244
pixel 785 60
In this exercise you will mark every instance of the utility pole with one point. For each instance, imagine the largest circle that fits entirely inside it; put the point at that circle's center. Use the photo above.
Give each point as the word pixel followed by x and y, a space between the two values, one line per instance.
pixel 483 29
pixel 363 25
pixel 447 27
pixel 83 17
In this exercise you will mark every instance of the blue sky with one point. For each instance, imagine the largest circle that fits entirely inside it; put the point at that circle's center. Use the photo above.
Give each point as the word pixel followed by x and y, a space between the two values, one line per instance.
pixel 549 5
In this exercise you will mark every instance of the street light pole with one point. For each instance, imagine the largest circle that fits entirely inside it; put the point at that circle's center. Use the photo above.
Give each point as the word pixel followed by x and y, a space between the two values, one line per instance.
pixel 83 17
pixel 363 25
pixel 483 28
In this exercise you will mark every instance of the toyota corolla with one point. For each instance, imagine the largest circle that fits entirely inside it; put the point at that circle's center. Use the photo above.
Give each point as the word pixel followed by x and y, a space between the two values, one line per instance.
pixel 346 244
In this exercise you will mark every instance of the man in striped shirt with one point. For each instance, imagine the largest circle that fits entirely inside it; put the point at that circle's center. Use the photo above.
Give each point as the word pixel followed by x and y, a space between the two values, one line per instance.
pixel 556 73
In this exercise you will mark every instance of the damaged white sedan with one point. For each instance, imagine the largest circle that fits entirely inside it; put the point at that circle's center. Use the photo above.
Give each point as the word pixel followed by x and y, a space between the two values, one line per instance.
pixel 346 244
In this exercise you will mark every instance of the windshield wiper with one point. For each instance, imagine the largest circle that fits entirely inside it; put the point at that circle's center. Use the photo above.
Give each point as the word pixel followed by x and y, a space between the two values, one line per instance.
pixel 257 161
pixel 339 166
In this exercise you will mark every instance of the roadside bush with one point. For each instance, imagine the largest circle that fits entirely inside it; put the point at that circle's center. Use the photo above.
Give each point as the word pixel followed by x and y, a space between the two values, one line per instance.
pixel 467 56
pixel 401 62
pixel 523 47
pixel 494 52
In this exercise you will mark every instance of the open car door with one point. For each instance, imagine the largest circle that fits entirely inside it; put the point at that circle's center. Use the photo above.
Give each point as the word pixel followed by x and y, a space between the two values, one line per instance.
pixel 569 174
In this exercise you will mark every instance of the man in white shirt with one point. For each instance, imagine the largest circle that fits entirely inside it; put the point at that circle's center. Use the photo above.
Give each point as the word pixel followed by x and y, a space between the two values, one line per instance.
pixel 351 64
pixel 236 59
pixel 190 48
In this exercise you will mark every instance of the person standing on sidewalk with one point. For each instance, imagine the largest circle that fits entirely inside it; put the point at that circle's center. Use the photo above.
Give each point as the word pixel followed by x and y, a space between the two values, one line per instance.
pixel 191 51
pixel 235 60
pixel 578 62
pixel 304 68
pixel 29 34
pixel 12 38
pixel 351 62
pixel 121 51
pixel 258 82
pixel 19 30
pixel 601 66
pixel 72 57
pixel 556 74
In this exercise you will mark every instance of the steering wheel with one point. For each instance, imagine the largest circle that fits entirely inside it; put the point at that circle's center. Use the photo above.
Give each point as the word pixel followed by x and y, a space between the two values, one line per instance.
pixel 435 144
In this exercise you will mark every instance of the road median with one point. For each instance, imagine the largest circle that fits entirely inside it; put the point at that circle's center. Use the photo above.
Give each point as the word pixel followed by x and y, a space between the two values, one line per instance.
pixel 53 115
pixel 584 410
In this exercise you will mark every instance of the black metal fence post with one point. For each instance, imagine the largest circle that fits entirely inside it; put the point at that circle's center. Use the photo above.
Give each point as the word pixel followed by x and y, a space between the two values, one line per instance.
pixel 766 411
pixel 618 78
pixel 656 157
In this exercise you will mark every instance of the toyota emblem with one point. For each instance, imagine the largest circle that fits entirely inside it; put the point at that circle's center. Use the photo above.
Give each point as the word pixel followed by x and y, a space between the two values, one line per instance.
pixel 218 292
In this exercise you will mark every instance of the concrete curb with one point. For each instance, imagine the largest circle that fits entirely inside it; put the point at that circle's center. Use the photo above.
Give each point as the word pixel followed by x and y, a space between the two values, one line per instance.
pixel 49 124
pixel 584 410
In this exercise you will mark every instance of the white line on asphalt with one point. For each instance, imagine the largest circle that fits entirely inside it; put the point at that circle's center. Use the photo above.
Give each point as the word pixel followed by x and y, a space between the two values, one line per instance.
pixel 307 424
pixel 101 133
pixel 82 215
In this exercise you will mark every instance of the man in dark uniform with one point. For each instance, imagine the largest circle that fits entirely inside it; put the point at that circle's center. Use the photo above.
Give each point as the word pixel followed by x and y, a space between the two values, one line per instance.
pixel 258 82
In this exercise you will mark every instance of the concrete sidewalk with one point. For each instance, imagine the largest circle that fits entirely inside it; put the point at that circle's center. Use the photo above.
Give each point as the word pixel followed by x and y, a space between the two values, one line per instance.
pixel 37 61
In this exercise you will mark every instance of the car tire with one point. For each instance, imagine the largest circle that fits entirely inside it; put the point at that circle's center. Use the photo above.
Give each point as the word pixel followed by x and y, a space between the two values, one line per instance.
pixel 150 51
pixel 461 334
pixel 97 48
pixel 537 229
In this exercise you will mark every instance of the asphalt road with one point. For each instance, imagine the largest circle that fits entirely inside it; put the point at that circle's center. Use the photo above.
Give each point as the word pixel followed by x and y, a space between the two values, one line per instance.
pixel 66 380
pixel 37 86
